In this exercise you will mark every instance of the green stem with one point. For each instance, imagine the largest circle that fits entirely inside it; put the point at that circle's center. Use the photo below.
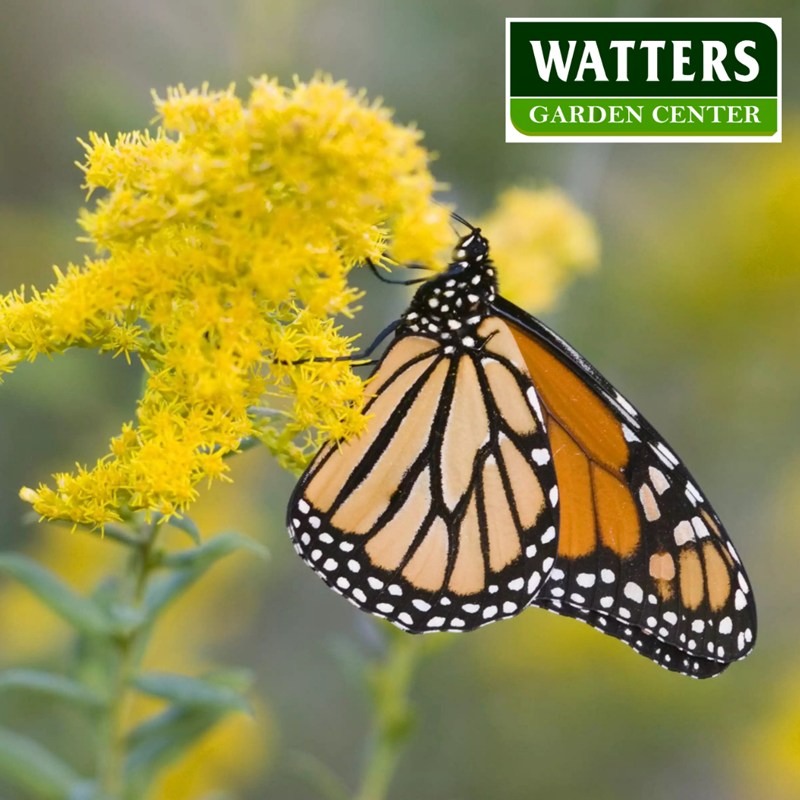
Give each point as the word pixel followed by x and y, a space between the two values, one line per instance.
pixel 111 755
pixel 393 717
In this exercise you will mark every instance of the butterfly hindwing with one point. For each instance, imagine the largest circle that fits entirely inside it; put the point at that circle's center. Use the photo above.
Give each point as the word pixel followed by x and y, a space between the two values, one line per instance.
pixel 642 555
pixel 443 514
pixel 499 469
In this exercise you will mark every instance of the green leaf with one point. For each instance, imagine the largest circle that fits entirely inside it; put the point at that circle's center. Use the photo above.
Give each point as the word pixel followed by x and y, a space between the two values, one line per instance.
pixel 165 737
pixel 32 769
pixel 213 550
pixel 191 692
pixel 50 684
pixel 162 740
pixel 189 565
pixel 188 526
pixel 120 533
pixel 81 612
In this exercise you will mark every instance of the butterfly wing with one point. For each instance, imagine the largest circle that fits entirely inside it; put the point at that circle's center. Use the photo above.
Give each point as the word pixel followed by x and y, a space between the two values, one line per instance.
pixel 642 555
pixel 443 514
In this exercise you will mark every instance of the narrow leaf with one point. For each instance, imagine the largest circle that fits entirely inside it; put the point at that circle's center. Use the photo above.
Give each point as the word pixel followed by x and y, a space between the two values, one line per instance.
pixel 49 684
pixel 32 769
pixel 188 526
pixel 191 692
pixel 214 549
pixel 81 612
pixel 162 740
pixel 190 565
pixel 165 737
pixel 120 533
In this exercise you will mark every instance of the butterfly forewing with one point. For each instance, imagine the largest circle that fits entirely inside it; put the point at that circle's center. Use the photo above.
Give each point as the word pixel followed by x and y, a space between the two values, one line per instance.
pixel 642 555
pixel 443 514
pixel 499 469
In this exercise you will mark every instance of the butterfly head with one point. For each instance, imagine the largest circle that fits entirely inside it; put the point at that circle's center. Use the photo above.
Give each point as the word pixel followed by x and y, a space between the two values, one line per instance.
pixel 471 249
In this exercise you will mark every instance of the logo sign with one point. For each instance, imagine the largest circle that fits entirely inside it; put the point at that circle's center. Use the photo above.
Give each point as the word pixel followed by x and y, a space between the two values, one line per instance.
pixel 643 80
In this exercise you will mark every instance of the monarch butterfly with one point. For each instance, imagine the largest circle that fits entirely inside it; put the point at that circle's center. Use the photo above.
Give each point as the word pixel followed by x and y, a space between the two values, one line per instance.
pixel 500 470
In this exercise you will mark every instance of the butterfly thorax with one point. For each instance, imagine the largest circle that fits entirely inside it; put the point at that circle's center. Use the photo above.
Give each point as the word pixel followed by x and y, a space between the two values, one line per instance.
pixel 451 306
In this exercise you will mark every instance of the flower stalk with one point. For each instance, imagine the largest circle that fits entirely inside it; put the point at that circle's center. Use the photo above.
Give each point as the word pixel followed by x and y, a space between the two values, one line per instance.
pixel 390 682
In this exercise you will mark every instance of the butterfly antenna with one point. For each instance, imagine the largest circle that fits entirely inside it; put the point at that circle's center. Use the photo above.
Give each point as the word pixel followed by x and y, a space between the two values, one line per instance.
pixel 459 218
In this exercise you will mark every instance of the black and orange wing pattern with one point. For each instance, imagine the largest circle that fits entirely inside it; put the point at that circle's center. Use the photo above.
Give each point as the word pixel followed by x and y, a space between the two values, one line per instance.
pixel 443 514
pixel 642 555
pixel 499 469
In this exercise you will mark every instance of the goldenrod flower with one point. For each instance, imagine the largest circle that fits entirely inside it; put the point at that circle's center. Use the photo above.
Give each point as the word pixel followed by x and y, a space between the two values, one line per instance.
pixel 223 245
pixel 540 240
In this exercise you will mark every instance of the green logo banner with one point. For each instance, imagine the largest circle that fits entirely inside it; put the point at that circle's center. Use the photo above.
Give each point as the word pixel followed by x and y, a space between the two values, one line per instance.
pixel 643 79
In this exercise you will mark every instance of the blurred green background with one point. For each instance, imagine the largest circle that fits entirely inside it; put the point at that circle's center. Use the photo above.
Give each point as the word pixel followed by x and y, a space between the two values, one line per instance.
pixel 693 313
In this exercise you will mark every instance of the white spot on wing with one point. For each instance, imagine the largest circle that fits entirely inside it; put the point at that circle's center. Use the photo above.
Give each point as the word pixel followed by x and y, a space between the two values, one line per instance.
pixel 633 592
pixel 625 404
pixel 683 533
pixel 659 480
pixel 534 401
pixel 629 435
pixel 541 456
pixel 700 528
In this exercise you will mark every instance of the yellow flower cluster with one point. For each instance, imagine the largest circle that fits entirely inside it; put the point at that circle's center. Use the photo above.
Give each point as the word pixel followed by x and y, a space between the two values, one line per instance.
pixel 223 246
pixel 540 240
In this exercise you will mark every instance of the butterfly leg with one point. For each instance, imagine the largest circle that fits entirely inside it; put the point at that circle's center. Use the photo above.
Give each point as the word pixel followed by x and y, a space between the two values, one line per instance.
pixel 362 358
pixel 384 279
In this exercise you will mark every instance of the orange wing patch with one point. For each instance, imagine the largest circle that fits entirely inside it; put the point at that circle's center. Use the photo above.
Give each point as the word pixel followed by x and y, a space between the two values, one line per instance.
pixel 590 455
pixel 388 547
pixel 577 534
pixel 510 401
pixel 361 510
pixel 616 513
pixel 327 482
pixel 717 576
pixel 404 351
pixel 428 565
pixel 691 578
pixel 469 573
pixel 504 545
pixel 467 429
pixel 525 486
pixel 576 407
